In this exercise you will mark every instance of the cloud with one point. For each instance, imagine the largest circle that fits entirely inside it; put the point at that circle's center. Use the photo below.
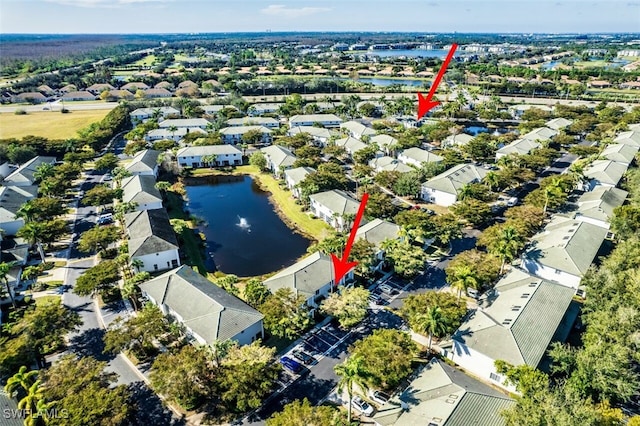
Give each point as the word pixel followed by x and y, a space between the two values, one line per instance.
pixel 103 3
pixel 291 12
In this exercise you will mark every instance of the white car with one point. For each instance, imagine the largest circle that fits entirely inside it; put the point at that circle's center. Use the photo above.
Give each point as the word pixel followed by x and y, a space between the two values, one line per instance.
pixel 385 288
pixel 379 397
pixel 362 406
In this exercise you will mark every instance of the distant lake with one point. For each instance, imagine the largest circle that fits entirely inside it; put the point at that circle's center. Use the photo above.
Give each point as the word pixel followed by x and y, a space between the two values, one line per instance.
pixel 244 235
pixel 413 53
pixel 384 82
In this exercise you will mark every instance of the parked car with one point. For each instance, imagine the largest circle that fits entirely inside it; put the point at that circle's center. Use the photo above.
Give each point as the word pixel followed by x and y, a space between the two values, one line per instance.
pixel 512 201
pixel 375 298
pixel 385 288
pixel 379 397
pixel 104 219
pixel 303 356
pixel 107 177
pixel 290 364
pixel 362 406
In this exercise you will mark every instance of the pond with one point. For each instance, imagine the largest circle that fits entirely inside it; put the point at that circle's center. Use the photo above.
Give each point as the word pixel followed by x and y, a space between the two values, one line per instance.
pixel 244 235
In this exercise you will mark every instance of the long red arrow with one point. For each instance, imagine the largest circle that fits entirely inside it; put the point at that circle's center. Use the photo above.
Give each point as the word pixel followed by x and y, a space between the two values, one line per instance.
pixel 425 104
pixel 342 266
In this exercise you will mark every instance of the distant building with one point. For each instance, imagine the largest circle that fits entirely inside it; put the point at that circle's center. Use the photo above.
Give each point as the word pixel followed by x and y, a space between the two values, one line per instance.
pixel 195 156
pixel 268 122
pixel 152 240
pixel 334 207
pixel 326 120
pixel 24 175
pixel 235 135
pixel 278 158
pixel 141 190
pixel 144 163
pixel 443 189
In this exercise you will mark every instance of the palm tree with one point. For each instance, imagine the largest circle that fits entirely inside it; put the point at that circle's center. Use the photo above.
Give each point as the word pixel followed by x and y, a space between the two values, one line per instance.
pixel 173 130
pixel 351 373
pixel 27 212
pixel 163 186
pixel 32 272
pixel 465 192
pixel 508 245
pixel 492 180
pixel 22 379
pixel 118 174
pixel 129 290
pixel 44 170
pixel 432 322
pixel 32 232
pixel 4 272
pixel 210 160
pixel 137 264
pixel 552 190
pixel 33 401
pixel 463 278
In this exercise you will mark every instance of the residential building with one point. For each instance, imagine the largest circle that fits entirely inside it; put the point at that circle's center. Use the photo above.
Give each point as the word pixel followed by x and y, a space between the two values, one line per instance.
pixel 631 137
pixel 519 147
pixel 135 86
pixel 442 395
pixel 376 232
pixel 200 123
pixel 207 311
pixel 515 322
pixel 119 94
pixel 320 135
pixel 312 278
pixel 144 114
pixel 29 97
pixel 326 120
pixel 9 405
pixel 357 130
pixel 620 153
pixel 81 95
pixel 11 199
pixel 234 135
pixel 351 145
pixel 596 206
pixel 98 88
pixel 293 177
pixel 141 190
pixel 278 158
pixel 265 108
pixel 389 164
pixel 458 140
pixel 195 156
pixel 144 163
pixel 168 134
pixel 443 189
pixel 558 123
pixel 334 207
pixel 604 172
pixel 387 144
pixel 152 240
pixel 417 157
pixel 540 134
pixel 563 250
pixel 23 175
pixel 6 169
pixel 268 122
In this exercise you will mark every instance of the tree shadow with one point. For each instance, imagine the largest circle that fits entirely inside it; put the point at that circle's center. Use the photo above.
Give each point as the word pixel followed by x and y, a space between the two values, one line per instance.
pixel 149 409
pixel 90 343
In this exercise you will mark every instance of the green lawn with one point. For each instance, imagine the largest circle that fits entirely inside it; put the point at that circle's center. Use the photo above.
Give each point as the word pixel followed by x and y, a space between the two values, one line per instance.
pixel 191 241
pixel 50 124
pixel 147 61
pixel 284 203
pixel 46 299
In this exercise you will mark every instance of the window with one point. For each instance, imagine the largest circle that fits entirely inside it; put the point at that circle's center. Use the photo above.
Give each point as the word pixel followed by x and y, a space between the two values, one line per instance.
pixel 155 267
pixel 557 271
pixel 495 377
pixel 174 263
pixel 317 292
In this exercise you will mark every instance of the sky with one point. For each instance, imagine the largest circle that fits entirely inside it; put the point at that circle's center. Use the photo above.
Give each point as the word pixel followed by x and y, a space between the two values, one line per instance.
pixel 193 16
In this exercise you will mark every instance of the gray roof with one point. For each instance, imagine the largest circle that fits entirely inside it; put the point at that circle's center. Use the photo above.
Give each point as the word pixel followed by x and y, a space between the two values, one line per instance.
pixel 354 126
pixel 165 133
pixel 540 133
pixel 567 245
pixel 629 138
pixel 558 123
pixel 12 198
pixel 298 174
pixel 25 172
pixel 390 164
pixel 241 130
pixel 279 156
pixel 384 140
pixel 196 151
pixel 7 403
pixel 252 121
pixel 605 171
pixel 517 323
pixel 183 122
pixel 140 189
pixel 337 201
pixel 165 110
pixel 452 180
pixel 208 310
pixel 377 231
pixel 621 153
pixel 316 132
pixel 144 161
pixel 442 395
pixel 420 155
pixel 459 139
pixel 314 118
pixel 599 203
pixel 150 232
pixel 304 277
pixel 351 144
pixel 274 106
pixel 519 146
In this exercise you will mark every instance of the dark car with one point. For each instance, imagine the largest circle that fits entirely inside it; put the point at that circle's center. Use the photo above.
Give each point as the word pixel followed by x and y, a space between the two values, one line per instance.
pixel 375 298
pixel 291 365
pixel 303 356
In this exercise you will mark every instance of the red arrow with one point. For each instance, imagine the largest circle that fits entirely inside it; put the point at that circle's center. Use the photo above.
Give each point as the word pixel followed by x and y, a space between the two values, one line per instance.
pixel 342 266
pixel 425 103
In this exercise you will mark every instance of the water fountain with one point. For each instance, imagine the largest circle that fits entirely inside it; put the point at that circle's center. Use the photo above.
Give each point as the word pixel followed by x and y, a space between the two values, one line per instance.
pixel 243 224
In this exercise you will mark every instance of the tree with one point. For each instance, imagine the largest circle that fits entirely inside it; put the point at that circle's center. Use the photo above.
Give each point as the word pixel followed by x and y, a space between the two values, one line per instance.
pixel 432 322
pixel 98 238
pixel 98 278
pixel 82 388
pixel 255 292
pixel 247 376
pixel 526 219
pixel 136 333
pixel 285 314
pixel 252 136
pixel 258 159
pixel 351 373
pixel 333 244
pixel 228 283
pixel 407 260
pixel 473 211
pixel 303 413
pixel 472 268
pixel 43 171
pixel 349 306
pixel 626 221
pixel 99 195
pixel 450 313
pixel 387 357
pixel 41 209
pixel 108 162
pixel 5 268
pixel 183 376
pixel 408 184
pixel 504 241
pixel 363 252
pixel 210 160
pixel 461 278
pixel 21 381
pixel 447 228
pixel 34 233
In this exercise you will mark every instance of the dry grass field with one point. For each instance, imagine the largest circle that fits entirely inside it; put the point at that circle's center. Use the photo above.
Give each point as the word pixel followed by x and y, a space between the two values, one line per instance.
pixel 50 124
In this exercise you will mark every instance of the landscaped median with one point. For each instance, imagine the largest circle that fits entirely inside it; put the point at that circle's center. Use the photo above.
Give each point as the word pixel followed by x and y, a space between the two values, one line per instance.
pixel 291 212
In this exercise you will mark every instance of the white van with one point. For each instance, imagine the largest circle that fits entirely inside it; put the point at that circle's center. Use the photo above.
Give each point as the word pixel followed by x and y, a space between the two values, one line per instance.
pixel 512 201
